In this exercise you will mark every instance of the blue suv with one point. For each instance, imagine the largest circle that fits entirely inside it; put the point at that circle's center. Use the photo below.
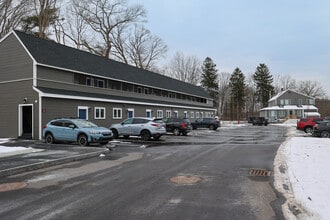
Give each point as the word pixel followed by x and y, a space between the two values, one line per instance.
pixel 75 130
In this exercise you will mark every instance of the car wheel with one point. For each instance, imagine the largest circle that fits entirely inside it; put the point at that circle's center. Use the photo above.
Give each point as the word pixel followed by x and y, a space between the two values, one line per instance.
pixel 211 127
pixel 184 133
pixel 325 134
pixel 49 139
pixel 82 140
pixel 114 133
pixel 308 130
pixel 104 143
pixel 145 135
pixel 176 131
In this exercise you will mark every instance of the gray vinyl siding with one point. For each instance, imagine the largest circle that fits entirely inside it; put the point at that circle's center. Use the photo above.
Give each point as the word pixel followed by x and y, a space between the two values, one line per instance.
pixel 15 85
pixel 294 98
pixel 50 74
pixel 58 79
pixel 56 108
pixel 12 95
pixel 15 62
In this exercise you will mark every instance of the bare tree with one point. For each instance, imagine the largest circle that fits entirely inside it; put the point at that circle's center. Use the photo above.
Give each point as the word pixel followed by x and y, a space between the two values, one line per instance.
pixel 252 106
pixel 283 82
pixel 144 49
pixel 187 69
pixel 11 13
pixel 224 91
pixel 311 88
pixel 102 17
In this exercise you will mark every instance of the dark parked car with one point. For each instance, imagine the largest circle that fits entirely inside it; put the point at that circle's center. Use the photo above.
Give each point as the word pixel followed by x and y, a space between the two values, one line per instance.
pixel 75 130
pixel 251 119
pixel 260 121
pixel 322 129
pixel 306 124
pixel 178 125
pixel 210 123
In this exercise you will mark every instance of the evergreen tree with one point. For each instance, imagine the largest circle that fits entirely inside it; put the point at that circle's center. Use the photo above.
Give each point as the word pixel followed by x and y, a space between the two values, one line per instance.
pixel 210 79
pixel 237 85
pixel 263 80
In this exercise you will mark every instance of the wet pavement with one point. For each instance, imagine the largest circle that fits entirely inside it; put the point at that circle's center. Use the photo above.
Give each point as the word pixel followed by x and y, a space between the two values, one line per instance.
pixel 40 155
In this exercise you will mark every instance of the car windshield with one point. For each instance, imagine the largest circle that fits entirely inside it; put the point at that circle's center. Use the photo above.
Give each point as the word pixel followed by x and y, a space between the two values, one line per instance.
pixel 85 124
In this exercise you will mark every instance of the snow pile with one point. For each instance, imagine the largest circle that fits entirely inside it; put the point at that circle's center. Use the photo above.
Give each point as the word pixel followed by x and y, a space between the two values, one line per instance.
pixel 309 173
pixel 9 151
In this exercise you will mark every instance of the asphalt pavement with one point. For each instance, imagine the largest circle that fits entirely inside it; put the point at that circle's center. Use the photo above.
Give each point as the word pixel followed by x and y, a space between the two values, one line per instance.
pixel 40 155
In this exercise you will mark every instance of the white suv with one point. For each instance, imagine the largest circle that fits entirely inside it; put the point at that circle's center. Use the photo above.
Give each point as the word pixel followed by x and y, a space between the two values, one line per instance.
pixel 144 127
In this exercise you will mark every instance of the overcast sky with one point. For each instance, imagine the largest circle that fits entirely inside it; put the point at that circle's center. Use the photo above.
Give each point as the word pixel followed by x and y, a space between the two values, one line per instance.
pixel 289 36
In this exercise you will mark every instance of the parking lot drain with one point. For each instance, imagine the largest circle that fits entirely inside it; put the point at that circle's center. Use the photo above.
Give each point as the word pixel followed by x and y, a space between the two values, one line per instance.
pixel 185 180
pixel 12 186
pixel 259 172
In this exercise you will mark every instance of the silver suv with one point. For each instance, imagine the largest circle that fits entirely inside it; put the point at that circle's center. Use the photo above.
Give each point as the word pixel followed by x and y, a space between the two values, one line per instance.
pixel 144 127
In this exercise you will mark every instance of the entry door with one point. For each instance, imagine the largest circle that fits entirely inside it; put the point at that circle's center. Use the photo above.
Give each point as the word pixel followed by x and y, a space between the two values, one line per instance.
pixel 26 121
pixel 130 113
pixel 83 112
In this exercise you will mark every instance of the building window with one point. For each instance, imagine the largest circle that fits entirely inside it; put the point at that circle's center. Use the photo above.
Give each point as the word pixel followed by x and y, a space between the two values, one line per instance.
pixel 310 101
pixel 99 113
pixel 299 113
pixel 192 115
pixel 185 114
pixel 282 113
pixel 89 81
pixel 175 114
pixel 197 114
pixel 168 113
pixel 139 89
pixel 99 83
pixel 148 113
pixel 146 91
pixel 159 113
pixel 117 113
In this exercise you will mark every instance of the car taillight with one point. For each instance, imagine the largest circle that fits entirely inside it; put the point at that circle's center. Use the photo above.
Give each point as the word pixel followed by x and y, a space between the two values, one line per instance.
pixel 183 125
pixel 44 127
pixel 155 124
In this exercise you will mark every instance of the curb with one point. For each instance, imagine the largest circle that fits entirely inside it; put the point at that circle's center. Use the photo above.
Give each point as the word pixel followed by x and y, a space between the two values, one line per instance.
pixel 291 209
pixel 40 165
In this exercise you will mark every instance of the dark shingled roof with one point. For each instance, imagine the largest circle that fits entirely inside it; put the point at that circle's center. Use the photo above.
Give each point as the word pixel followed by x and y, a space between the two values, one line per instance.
pixel 51 53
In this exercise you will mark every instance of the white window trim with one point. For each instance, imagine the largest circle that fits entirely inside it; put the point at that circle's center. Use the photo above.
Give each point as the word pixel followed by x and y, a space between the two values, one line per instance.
pixel 149 111
pixel 192 114
pixel 185 114
pixel 168 113
pixel 99 108
pixel 197 114
pixel 160 114
pixel 117 109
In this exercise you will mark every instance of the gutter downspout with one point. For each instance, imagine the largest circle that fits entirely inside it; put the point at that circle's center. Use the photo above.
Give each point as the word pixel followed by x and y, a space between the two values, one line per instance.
pixel 40 111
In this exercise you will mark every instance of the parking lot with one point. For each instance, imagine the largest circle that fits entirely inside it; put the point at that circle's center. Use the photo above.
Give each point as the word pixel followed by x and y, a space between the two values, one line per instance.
pixel 203 175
